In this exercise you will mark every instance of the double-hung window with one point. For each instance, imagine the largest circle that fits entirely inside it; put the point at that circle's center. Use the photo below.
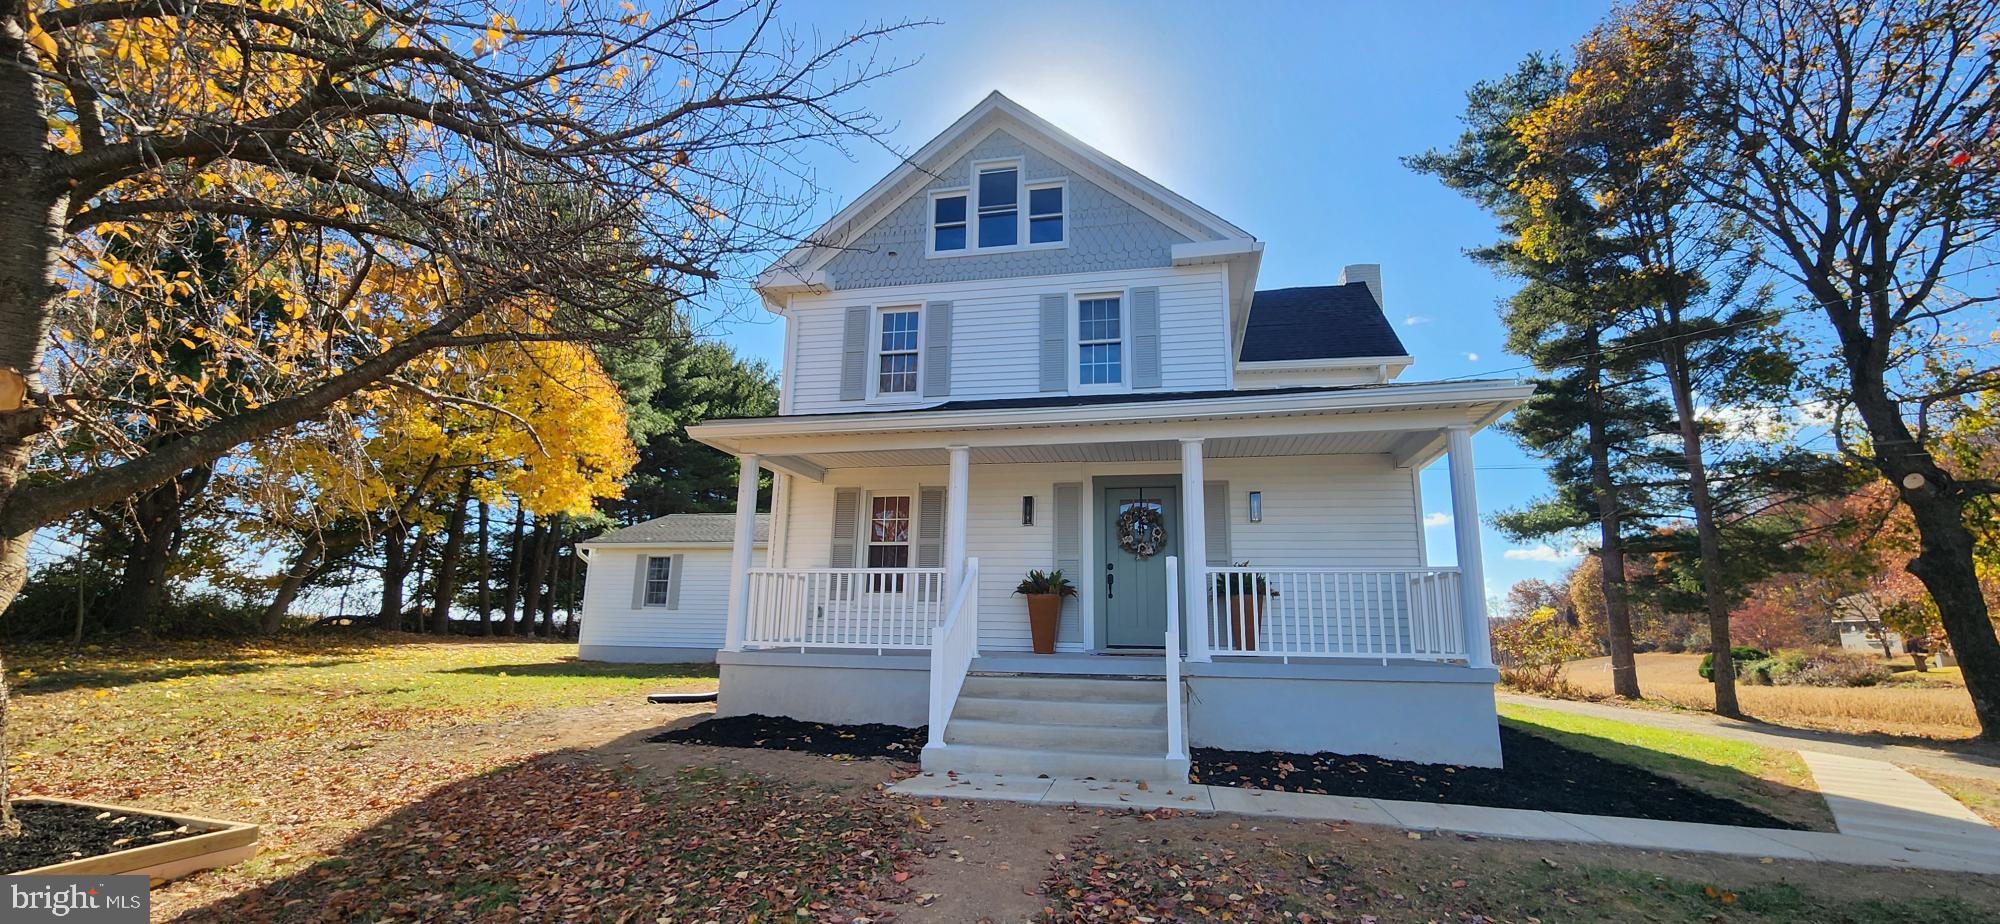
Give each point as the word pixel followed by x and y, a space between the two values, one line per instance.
pixel 1045 213
pixel 659 578
pixel 999 207
pixel 948 222
pixel 896 352
pixel 888 538
pixel 1100 341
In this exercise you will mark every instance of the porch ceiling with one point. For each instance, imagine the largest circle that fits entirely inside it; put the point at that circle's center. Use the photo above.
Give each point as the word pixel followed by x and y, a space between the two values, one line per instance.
pixel 1137 451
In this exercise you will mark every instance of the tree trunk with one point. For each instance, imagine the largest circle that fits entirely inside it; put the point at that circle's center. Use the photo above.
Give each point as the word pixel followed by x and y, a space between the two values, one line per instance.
pixel 395 568
pixel 157 516
pixel 447 573
pixel 551 545
pixel 485 571
pixel 1611 547
pixel 304 565
pixel 1708 535
pixel 514 589
pixel 531 590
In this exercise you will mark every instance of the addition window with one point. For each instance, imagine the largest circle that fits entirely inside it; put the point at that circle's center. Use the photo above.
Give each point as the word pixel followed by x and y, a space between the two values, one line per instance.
pixel 659 577
pixel 888 539
pixel 948 222
pixel 1045 213
pixel 999 207
pixel 896 363
pixel 1100 344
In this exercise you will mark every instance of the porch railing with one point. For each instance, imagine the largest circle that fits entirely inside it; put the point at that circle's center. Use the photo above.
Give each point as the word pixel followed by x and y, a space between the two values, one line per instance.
pixel 866 608
pixel 1388 613
pixel 951 659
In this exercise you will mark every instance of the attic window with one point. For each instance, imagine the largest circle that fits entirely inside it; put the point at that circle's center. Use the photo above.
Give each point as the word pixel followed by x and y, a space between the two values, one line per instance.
pixel 948 222
pixel 999 207
pixel 1045 213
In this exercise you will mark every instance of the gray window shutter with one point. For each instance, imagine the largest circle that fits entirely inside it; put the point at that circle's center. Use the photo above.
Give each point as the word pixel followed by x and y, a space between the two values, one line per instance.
pixel 937 350
pixel 674 583
pixel 930 528
pixel 854 356
pixel 1055 342
pixel 1146 337
pixel 1069 530
pixel 846 526
pixel 1215 500
pixel 639 582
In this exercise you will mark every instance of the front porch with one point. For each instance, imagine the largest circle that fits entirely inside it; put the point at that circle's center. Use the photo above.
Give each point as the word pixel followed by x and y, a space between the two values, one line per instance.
pixel 1288 603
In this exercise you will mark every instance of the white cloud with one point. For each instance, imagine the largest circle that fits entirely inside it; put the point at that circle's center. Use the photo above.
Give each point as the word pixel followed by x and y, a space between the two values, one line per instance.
pixel 1545 553
pixel 1438 518
pixel 1415 319
pixel 1472 357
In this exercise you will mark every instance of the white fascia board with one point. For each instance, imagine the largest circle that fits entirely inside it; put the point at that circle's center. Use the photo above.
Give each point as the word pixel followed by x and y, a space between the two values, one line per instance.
pixel 1197 252
pixel 595 545
pixel 1379 397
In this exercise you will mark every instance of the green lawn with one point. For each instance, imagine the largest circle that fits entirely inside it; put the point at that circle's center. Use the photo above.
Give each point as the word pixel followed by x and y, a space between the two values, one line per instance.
pixel 1776 781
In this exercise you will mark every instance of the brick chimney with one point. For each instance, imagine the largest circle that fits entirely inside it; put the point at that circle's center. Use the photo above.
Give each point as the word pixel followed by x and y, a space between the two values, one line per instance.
pixel 1369 274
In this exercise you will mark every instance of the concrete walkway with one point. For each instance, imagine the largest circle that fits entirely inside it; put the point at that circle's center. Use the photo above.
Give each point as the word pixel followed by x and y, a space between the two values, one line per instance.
pixel 1644 834
pixel 1964 763
pixel 1879 800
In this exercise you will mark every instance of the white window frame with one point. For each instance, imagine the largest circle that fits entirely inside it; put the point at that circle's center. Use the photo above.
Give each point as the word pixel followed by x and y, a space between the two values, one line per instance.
pixel 1075 340
pixel 868 542
pixel 666 586
pixel 1028 218
pixel 971 193
pixel 875 393
pixel 931 222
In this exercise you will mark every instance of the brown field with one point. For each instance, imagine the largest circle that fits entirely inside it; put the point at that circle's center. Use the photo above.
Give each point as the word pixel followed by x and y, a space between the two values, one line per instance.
pixel 1942 711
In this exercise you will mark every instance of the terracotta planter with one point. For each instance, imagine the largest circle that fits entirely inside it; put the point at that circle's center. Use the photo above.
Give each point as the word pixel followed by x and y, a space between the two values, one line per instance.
pixel 1044 617
pixel 222 843
pixel 1246 614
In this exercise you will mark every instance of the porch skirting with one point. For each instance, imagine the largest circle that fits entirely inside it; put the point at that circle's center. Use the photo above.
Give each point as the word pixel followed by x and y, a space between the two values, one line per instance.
pixel 847 689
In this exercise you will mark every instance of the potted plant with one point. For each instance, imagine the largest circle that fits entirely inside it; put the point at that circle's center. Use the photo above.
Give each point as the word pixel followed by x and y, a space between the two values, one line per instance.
pixel 1246 595
pixel 1045 592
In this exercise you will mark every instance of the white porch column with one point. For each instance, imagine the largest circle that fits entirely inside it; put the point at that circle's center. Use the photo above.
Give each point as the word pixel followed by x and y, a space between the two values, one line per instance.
pixel 739 554
pixel 1194 551
pixel 1471 565
pixel 957 487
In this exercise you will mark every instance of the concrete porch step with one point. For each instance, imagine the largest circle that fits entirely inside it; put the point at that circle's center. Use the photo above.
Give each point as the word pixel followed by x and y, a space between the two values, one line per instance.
pixel 1061 688
pixel 1064 712
pixel 1102 765
pixel 1135 741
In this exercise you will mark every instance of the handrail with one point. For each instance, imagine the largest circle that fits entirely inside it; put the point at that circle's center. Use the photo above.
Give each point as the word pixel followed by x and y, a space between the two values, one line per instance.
pixel 1406 613
pixel 955 644
pixel 1176 720
pixel 856 608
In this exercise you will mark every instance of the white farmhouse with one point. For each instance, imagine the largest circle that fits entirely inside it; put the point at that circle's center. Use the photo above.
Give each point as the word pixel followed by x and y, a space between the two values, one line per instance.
pixel 1016 353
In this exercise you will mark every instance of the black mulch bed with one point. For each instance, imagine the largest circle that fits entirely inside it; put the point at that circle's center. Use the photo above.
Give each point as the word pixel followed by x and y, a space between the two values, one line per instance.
pixel 1539 774
pixel 54 833
pixel 782 734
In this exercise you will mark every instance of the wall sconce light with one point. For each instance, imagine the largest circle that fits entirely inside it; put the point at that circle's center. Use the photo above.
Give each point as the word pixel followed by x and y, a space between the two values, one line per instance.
pixel 1027 510
pixel 1256 506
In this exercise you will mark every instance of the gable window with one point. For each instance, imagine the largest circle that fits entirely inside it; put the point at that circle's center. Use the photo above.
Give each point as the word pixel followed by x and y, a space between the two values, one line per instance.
pixel 999 207
pixel 888 539
pixel 1045 213
pixel 659 578
pixel 1100 341
pixel 948 222
pixel 896 352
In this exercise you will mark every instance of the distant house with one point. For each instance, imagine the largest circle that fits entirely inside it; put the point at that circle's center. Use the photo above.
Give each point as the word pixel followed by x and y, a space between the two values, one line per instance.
pixel 658 591
pixel 1859 621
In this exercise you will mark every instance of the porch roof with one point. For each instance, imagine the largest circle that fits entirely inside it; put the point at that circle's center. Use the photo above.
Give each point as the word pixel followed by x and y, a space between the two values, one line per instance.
pixel 1405 420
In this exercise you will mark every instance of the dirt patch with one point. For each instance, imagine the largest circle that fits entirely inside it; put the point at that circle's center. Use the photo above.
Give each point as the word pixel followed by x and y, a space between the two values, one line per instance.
pixel 894 742
pixel 1539 774
pixel 54 833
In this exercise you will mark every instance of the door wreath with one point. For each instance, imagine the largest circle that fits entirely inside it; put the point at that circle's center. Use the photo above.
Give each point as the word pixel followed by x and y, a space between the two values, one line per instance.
pixel 1142 531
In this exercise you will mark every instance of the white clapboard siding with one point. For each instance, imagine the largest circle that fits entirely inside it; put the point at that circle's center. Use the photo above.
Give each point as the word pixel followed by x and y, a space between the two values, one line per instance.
pixel 610 620
pixel 1319 511
pixel 996 329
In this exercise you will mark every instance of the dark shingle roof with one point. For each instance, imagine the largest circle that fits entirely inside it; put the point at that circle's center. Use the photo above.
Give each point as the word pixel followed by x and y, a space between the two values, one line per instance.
pixel 1066 400
pixel 1317 322
pixel 675 528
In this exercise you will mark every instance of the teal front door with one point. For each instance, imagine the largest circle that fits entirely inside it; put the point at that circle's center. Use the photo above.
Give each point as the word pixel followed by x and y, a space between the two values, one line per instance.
pixel 1132 590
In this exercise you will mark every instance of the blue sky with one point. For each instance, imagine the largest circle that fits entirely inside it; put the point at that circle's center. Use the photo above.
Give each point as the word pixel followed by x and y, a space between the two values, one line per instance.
pixel 1287 119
